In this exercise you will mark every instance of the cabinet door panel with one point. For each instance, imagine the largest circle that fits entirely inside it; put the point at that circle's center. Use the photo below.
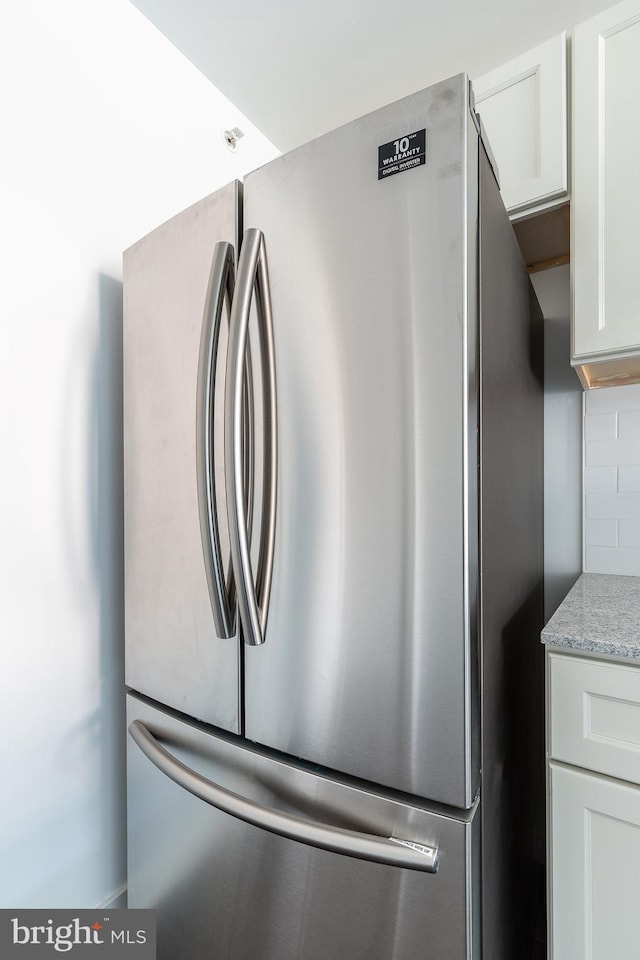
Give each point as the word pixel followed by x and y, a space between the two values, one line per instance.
pixel 595 882
pixel 523 109
pixel 606 196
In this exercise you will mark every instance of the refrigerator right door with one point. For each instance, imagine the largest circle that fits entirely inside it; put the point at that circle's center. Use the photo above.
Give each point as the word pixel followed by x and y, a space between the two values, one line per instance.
pixel 370 235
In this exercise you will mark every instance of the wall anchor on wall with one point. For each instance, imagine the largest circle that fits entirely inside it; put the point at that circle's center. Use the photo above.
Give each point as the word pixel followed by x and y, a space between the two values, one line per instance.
pixel 231 137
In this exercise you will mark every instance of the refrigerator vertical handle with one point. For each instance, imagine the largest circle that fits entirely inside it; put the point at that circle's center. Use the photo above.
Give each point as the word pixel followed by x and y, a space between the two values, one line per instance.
pixel 220 284
pixel 253 596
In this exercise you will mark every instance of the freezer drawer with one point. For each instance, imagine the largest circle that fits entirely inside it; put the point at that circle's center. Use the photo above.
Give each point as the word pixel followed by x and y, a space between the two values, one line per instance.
pixel 224 889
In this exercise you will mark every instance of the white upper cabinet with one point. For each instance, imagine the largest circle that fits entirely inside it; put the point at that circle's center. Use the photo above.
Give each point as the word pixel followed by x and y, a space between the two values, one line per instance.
pixel 606 196
pixel 523 107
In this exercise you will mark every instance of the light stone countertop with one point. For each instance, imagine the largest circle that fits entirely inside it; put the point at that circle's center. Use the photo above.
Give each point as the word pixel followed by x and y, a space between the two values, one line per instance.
pixel 600 614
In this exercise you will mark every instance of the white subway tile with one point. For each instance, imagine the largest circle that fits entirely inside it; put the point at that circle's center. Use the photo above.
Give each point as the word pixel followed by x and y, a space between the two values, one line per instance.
pixel 602 479
pixel 628 479
pixel 601 533
pixel 609 506
pixel 612 399
pixel 601 427
pixel 612 480
pixel 612 560
pixel 602 452
pixel 629 533
pixel 630 426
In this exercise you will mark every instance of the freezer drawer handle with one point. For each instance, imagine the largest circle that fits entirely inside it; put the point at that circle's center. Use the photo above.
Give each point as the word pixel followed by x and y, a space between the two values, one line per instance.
pixel 391 851
pixel 253 600
pixel 220 283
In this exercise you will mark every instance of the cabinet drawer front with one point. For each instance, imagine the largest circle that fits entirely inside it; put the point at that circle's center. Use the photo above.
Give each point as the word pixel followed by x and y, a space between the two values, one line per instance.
pixel 595 715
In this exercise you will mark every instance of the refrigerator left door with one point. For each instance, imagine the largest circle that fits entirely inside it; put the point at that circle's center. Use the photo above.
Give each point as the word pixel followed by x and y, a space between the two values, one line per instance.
pixel 176 652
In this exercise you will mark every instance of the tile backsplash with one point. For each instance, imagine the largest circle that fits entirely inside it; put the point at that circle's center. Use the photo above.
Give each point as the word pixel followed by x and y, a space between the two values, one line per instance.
pixel 612 480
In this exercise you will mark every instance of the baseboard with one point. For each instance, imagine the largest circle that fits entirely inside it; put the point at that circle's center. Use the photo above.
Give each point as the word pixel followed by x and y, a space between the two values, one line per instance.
pixel 116 900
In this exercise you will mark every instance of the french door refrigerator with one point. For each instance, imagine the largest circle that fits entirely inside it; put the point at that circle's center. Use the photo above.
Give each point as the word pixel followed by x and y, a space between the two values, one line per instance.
pixel 333 555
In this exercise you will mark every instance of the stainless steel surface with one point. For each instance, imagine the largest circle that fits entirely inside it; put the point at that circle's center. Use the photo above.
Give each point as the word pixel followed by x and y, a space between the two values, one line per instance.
pixel 563 415
pixel 388 850
pixel 366 660
pixel 489 152
pixel 223 888
pixel 248 444
pixel 253 593
pixel 406 561
pixel 511 608
pixel 220 286
pixel 221 586
pixel 172 651
pixel 471 459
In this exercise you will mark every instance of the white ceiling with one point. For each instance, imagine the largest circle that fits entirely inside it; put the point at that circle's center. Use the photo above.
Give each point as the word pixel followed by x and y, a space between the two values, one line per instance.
pixel 298 68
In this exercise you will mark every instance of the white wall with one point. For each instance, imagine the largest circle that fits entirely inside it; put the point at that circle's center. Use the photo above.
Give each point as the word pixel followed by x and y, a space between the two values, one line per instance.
pixel 308 67
pixel 106 130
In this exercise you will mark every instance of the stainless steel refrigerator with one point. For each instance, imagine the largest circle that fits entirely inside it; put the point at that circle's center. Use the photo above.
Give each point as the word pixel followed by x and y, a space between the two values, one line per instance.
pixel 333 555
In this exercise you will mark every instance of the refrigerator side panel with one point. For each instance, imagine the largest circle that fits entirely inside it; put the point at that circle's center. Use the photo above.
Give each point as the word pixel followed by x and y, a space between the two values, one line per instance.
pixel 172 651
pixel 366 659
pixel 511 536
pixel 226 889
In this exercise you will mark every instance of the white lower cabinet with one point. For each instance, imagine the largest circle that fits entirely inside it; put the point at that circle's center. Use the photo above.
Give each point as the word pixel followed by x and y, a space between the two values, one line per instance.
pixel 595 828
pixel 593 741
